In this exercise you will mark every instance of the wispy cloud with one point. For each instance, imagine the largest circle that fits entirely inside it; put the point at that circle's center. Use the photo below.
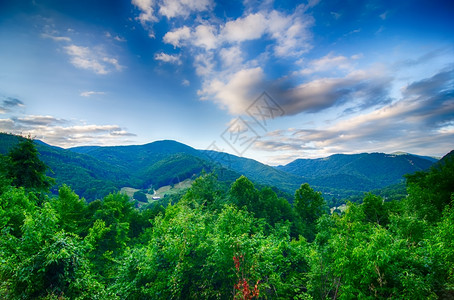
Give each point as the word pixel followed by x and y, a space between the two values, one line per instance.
pixel 182 8
pixel 37 120
pixel 168 58
pixel 384 15
pixel 91 93
pixel 151 10
pixel 66 133
pixel 93 60
pixel 10 104
pixel 57 131
pixel 146 8
pixel 56 38
pixel 330 62
pixel 115 37
pixel 422 122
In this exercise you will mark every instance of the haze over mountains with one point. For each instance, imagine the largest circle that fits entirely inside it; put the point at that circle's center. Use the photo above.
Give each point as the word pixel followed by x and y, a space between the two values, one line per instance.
pixel 95 171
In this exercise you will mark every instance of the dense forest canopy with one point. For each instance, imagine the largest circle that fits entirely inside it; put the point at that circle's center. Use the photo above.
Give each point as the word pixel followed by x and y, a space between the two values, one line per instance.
pixel 222 242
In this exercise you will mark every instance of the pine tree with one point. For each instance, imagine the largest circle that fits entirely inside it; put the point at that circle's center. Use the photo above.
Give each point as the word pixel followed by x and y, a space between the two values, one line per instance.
pixel 26 169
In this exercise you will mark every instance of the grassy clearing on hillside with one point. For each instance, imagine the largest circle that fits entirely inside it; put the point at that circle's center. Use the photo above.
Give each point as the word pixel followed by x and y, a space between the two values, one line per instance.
pixel 162 191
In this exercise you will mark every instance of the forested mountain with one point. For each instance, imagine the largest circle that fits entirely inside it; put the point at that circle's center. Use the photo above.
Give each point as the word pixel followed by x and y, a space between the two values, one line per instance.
pixel 257 171
pixel 94 171
pixel 158 163
pixel 88 176
pixel 360 172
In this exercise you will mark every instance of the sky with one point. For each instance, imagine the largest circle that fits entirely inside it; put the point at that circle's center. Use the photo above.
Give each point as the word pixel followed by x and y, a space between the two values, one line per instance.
pixel 268 80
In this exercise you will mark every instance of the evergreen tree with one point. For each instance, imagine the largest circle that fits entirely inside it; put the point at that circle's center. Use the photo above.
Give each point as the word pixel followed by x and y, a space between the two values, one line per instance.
pixel 26 169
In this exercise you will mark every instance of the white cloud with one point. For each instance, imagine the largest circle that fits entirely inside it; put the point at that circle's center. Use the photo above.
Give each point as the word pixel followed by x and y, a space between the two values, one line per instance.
pixel 146 16
pixel 250 27
pixel 177 8
pixel 90 93
pixel 168 58
pixel 231 56
pixel 230 75
pixel 147 10
pixel 85 58
pixel 186 82
pixel 81 57
pixel 76 135
pixel 117 38
pixel 204 64
pixel 204 36
pixel 329 62
pixel 177 36
pixel 168 8
pixel 38 120
pixel 63 133
pixel 238 92
pixel 291 32
pixel 113 62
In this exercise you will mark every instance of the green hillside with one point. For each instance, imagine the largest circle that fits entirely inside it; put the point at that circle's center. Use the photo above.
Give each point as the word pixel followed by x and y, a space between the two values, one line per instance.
pixel 360 172
pixel 86 175
pixel 94 171
pixel 258 172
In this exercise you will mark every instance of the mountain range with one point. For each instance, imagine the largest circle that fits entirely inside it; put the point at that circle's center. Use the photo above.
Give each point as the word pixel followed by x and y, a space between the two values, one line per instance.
pixel 94 171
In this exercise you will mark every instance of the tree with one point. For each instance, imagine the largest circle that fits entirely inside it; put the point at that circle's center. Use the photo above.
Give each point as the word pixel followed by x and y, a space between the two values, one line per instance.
pixel 26 169
pixel 140 196
pixel 430 191
pixel 375 210
pixel 274 209
pixel 243 193
pixel 5 181
pixel 204 190
pixel 310 206
pixel 71 210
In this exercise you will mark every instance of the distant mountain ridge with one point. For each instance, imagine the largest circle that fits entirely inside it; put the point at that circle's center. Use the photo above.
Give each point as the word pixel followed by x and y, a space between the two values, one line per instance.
pixel 360 172
pixel 94 171
pixel 430 158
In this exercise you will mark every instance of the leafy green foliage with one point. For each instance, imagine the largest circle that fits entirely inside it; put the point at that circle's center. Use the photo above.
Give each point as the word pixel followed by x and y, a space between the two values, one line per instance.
pixel 431 191
pixel 310 206
pixel 140 196
pixel 26 169
pixel 218 243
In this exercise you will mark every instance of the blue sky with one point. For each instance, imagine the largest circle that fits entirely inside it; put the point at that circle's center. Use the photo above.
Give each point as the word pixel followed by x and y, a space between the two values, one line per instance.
pixel 270 80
